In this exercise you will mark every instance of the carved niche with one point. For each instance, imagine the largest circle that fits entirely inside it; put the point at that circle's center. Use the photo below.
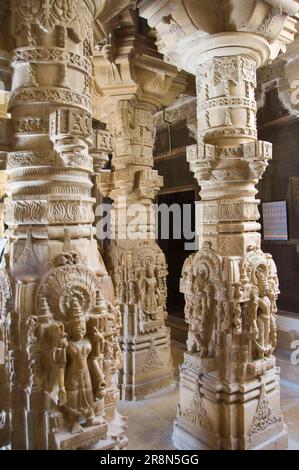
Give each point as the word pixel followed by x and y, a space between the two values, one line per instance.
pixel 245 309
pixel 201 285
pixel 139 278
pixel 259 294
pixel 69 339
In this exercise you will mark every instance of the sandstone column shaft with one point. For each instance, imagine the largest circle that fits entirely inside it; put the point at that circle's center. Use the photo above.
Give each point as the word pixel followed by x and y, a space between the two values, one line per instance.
pixel 137 265
pixel 135 82
pixel 63 327
pixel 229 385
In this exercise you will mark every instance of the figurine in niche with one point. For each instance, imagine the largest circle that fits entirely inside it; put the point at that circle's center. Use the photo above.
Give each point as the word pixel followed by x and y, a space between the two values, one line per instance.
pixel 149 293
pixel 273 293
pixel 59 346
pixel 131 287
pixel 118 316
pixel 14 329
pixel 161 287
pixel 262 313
pixel 101 312
pixel 36 376
pixel 114 315
pixel 201 318
pixel 117 278
pixel 108 361
pixel 237 319
pixel 237 309
pixel 226 308
pixel 117 353
pixel 81 378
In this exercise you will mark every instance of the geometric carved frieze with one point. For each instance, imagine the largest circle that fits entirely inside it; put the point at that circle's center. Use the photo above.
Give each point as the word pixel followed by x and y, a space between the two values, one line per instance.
pixel 70 123
pixel 30 158
pixel 230 211
pixel 152 360
pixel 227 69
pixel 52 55
pixel 4 101
pixel 196 414
pixel 5 133
pixel 49 211
pixel 48 14
pixel 55 95
pixel 236 132
pixel 263 417
pixel 31 125
pixel 232 102
pixel 18 161
pixel 55 188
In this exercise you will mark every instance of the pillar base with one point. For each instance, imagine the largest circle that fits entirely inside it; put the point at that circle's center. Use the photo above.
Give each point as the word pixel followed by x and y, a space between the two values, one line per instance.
pixel 116 438
pixel 183 440
pixel 147 389
pixel 100 437
pixel 214 413
pixel 148 367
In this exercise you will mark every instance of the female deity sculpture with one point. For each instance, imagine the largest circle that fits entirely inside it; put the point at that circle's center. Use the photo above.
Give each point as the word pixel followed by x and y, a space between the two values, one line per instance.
pixel 150 293
pixel 201 314
pixel 262 309
pixel 81 377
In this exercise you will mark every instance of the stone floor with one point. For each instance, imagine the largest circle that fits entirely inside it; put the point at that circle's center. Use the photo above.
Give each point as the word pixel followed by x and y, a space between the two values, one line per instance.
pixel 151 420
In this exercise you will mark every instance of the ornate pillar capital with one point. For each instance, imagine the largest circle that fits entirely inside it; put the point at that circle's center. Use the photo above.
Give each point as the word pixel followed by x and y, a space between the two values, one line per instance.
pixel 127 67
pixel 287 78
pixel 108 15
pixel 183 26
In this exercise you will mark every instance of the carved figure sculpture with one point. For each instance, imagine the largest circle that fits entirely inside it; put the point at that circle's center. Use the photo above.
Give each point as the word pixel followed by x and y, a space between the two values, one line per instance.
pixel 150 293
pixel 81 364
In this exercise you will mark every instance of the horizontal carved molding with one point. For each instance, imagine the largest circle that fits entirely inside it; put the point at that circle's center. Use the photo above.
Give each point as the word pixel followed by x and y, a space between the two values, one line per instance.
pixel 32 125
pixel 19 160
pixel 49 211
pixel 51 95
pixel 51 55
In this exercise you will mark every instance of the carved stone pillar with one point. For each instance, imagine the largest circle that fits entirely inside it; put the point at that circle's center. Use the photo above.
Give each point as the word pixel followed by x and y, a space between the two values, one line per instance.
pixel 5 297
pixel 5 86
pixel 62 327
pixel 135 82
pixel 230 285
pixel 101 150
pixel 229 383
pixel 137 265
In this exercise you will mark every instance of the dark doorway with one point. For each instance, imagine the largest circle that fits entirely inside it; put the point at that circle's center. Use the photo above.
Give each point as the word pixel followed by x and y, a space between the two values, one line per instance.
pixel 174 249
